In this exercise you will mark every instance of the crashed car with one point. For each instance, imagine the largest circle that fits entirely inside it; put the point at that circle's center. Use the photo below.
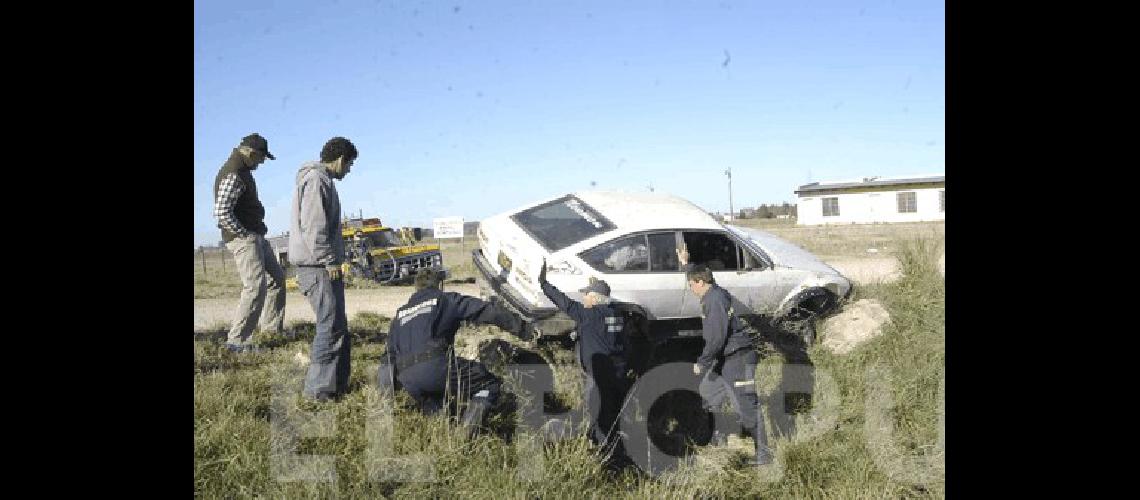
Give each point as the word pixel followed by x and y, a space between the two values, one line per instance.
pixel 630 241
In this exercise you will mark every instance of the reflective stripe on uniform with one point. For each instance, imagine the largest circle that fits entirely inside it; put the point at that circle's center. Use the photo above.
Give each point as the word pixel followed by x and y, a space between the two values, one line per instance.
pixel 613 324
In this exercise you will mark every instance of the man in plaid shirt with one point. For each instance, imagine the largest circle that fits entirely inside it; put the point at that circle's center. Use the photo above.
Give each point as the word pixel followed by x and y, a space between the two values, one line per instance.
pixel 241 216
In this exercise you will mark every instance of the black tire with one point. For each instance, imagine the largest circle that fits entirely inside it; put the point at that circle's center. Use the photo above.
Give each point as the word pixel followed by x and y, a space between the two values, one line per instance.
pixel 801 320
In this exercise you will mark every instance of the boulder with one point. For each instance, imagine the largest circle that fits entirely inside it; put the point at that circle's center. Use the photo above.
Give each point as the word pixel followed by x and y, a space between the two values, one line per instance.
pixel 857 323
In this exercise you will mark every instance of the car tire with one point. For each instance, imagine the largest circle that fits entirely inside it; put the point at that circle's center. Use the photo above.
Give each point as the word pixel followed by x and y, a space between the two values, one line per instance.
pixel 801 320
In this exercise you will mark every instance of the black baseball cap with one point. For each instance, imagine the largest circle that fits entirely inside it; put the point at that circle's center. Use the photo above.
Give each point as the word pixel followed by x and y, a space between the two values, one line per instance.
pixel 597 286
pixel 256 141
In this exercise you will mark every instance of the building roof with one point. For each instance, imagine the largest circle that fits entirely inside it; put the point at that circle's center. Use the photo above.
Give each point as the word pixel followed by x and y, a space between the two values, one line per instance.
pixel 870 182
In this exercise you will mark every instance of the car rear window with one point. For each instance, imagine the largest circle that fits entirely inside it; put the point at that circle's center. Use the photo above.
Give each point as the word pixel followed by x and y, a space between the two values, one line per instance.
pixel 562 222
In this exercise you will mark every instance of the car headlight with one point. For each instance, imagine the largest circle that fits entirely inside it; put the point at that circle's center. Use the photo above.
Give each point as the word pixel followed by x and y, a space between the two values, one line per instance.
pixel 563 267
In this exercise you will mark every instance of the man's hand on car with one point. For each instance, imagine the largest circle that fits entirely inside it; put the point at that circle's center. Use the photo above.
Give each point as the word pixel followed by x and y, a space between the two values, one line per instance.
pixel 683 255
pixel 334 271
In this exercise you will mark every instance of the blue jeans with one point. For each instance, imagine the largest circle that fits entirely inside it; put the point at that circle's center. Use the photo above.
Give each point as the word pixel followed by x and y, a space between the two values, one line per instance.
pixel 329 367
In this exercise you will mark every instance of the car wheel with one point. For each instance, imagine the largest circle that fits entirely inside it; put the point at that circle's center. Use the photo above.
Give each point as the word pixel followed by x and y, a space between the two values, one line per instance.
pixel 800 324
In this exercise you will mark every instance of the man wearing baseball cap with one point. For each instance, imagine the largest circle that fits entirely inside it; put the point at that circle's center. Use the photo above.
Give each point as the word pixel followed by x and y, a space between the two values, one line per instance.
pixel 241 217
pixel 601 353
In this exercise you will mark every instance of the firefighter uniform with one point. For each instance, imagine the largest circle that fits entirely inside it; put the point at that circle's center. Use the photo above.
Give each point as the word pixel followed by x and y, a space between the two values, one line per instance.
pixel 728 364
pixel 601 354
pixel 419 356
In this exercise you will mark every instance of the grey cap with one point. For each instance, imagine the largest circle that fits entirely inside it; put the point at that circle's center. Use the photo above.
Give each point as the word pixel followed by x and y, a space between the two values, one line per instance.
pixel 597 286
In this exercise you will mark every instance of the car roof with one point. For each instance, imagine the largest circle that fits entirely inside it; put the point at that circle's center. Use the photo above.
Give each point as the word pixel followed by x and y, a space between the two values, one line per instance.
pixel 633 211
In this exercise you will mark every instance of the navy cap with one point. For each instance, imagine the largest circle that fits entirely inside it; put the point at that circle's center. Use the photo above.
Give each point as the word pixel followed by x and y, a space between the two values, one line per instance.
pixel 256 141
pixel 597 286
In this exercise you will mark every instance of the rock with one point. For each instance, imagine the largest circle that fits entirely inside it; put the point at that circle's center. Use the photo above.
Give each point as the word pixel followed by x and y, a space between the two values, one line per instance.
pixel 301 358
pixel 856 324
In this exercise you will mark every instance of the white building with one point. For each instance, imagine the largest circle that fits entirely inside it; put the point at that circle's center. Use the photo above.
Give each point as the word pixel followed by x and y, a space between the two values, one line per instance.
pixel 873 199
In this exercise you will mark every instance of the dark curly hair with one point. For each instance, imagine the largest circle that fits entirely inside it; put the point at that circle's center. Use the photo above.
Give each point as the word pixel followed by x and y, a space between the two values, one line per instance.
pixel 336 147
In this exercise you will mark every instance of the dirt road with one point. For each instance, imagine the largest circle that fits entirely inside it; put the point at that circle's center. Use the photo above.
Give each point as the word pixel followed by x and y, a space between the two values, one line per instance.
pixel 210 314
pixel 213 314
pixel 866 270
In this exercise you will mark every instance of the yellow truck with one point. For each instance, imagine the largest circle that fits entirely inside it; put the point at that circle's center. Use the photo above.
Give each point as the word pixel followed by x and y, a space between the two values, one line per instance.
pixel 373 252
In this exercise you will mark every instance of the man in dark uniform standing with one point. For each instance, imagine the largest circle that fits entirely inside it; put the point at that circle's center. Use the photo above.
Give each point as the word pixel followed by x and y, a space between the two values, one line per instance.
pixel 419 355
pixel 728 361
pixel 601 353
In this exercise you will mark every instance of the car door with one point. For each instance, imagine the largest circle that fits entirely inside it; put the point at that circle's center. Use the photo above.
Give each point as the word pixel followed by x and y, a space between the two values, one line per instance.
pixel 642 269
pixel 736 267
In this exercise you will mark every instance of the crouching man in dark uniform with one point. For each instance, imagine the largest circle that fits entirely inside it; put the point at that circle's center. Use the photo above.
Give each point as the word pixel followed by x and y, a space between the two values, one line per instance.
pixel 601 354
pixel 728 361
pixel 420 358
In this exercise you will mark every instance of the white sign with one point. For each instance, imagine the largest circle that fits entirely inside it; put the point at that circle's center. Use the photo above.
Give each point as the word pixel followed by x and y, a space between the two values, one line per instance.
pixel 447 227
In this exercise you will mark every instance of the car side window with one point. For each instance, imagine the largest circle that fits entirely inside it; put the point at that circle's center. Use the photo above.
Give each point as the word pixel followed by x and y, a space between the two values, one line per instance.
pixel 663 252
pixel 750 260
pixel 630 253
pixel 712 249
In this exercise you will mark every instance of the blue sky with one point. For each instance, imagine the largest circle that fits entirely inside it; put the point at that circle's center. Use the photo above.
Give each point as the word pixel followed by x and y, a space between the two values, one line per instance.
pixel 469 109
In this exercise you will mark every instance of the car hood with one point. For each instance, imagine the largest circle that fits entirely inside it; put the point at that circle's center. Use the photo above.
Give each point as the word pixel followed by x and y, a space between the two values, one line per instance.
pixel 783 252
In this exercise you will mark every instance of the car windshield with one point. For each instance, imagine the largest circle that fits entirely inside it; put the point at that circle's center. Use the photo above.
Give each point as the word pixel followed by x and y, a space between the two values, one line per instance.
pixel 562 222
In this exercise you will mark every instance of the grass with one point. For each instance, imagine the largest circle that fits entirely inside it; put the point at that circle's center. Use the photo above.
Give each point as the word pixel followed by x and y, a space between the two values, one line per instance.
pixel 853 446
pixel 215 274
pixel 848 240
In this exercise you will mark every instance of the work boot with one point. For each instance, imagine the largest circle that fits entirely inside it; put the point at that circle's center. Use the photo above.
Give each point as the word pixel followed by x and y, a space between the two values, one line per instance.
pixel 763 453
pixel 718 435
pixel 473 415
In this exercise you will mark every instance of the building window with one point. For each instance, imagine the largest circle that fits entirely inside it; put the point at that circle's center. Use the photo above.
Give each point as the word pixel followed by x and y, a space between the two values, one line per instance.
pixel 942 201
pixel 830 207
pixel 907 203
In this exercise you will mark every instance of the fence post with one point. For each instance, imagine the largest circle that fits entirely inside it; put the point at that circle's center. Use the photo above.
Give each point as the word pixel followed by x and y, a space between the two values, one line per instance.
pixel 223 254
pixel 202 253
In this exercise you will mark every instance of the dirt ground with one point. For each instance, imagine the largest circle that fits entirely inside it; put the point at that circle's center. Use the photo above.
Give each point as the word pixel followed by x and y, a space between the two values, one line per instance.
pixel 866 270
pixel 212 314
pixel 217 313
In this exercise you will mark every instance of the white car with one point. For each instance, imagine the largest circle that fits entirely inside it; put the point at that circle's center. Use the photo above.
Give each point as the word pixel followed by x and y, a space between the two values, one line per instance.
pixel 630 241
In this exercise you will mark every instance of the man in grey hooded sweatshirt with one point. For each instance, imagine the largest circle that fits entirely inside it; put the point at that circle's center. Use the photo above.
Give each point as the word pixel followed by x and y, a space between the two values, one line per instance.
pixel 316 248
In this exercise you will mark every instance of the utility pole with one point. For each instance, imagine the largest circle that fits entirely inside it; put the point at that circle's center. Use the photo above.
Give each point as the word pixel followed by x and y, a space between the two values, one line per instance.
pixel 729 174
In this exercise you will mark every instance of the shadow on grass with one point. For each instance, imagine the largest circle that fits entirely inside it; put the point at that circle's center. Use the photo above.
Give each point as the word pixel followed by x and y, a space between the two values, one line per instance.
pixel 786 402
pixel 676 421
pixel 499 353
